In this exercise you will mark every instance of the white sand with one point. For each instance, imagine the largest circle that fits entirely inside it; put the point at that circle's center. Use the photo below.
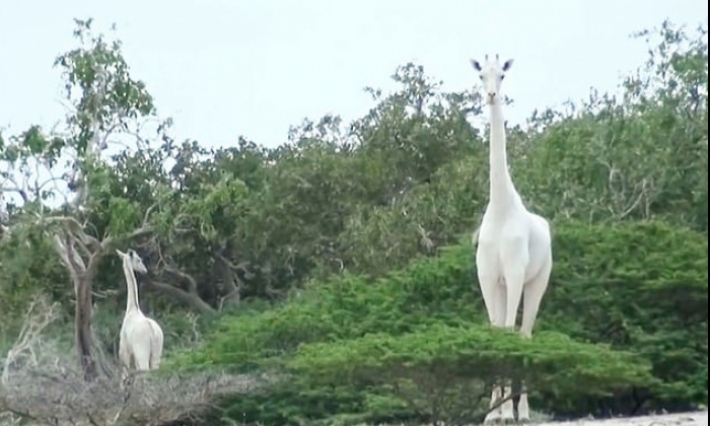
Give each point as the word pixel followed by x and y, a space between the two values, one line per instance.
pixel 699 418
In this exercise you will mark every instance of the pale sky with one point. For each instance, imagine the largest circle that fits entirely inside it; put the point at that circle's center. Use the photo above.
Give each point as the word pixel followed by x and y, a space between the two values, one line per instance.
pixel 224 68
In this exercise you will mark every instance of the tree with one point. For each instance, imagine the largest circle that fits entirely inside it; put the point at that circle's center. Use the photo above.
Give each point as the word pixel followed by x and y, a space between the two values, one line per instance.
pixel 104 101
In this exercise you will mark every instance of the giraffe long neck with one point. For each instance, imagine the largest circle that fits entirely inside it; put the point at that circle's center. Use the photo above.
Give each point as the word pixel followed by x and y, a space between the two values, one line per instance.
pixel 502 190
pixel 132 297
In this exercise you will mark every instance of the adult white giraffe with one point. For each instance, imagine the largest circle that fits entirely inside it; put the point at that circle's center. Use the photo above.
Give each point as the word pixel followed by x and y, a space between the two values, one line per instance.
pixel 141 339
pixel 514 253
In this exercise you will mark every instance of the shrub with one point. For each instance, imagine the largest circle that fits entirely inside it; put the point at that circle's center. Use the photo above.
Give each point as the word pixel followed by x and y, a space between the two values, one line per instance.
pixel 637 287
pixel 443 372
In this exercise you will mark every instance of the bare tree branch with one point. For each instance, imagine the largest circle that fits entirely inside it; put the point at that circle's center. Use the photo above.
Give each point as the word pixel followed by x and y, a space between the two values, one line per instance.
pixel 53 393
pixel 21 192
pixel 241 266
pixel 70 264
pixel 188 298
pixel 39 314
pixel 191 282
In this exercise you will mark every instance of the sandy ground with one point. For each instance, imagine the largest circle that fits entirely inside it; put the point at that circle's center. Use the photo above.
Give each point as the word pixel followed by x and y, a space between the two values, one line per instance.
pixel 699 418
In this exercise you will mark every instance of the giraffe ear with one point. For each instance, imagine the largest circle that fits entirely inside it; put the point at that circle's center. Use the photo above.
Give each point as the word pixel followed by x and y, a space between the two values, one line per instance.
pixel 476 65
pixel 507 64
pixel 120 253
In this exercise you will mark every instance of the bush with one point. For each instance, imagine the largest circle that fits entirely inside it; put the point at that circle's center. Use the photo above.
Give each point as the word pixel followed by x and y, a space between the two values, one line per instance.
pixel 442 371
pixel 638 287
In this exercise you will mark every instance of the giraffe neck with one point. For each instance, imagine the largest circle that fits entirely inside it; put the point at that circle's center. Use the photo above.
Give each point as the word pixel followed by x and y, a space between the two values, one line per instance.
pixel 501 190
pixel 132 297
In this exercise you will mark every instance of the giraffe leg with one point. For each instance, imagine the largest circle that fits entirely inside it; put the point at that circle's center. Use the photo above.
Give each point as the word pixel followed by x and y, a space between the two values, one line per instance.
pixel 125 360
pixel 507 413
pixel 523 407
pixel 493 294
pixel 514 279
pixel 141 354
pixel 497 316
pixel 494 415
pixel 487 267
pixel 534 291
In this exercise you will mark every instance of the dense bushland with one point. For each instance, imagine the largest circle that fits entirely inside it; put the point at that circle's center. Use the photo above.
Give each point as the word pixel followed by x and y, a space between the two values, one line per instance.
pixel 648 298
pixel 334 262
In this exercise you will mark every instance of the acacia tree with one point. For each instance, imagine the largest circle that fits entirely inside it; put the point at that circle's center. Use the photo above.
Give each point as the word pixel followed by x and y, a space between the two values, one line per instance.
pixel 184 215
pixel 106 106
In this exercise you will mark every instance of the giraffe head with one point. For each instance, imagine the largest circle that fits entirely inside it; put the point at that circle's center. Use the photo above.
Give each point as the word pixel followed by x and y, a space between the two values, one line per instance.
pixel 134 260
pixel 491 73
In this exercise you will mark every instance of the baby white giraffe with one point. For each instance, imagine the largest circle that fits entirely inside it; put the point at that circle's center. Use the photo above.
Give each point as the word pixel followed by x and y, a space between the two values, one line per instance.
pixel 514 253
pixel 141 340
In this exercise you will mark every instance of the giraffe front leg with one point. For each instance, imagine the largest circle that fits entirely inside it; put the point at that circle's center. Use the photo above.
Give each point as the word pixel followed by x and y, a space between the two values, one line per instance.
pixel 493 294
pixel 514 275
pixel 507 412
pixel 532 297
pixel 504 412
pixel 495 415
pixel 523 407
pixel 124 358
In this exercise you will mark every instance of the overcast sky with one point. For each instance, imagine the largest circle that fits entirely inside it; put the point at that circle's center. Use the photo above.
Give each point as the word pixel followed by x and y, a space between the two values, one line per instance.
pixel 224 68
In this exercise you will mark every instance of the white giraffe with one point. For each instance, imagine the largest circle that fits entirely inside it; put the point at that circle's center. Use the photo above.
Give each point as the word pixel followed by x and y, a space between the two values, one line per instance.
pixel 141 341
pixel 514 253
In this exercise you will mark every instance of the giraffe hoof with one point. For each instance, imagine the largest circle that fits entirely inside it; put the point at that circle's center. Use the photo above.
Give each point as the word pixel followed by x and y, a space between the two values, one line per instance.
pixel 499 420
pixel 492 419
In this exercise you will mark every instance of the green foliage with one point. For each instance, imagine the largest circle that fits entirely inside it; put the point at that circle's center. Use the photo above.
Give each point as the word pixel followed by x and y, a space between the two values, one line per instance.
pixel 348 323
pixel 438 359
pixel 29 267
pixel 98 67
pixel 474 351
pixel 650 295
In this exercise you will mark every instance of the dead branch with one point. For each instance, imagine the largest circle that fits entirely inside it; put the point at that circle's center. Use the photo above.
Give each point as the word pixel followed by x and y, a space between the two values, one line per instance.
pixel 10 184
pixel 241 266
pixel 90 246
pixel 51 390
pixel 39 314
pixel 70 264
pixel 52 397
pixel 75 227
pixel 229 275
pixel 189 298
pixel 191 282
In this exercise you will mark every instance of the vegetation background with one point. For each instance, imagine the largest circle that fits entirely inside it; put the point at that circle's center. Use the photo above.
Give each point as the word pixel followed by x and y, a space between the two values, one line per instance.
pixel 330 280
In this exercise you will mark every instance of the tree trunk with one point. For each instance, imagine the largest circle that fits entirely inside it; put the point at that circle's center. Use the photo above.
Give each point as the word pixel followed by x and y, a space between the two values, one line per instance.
pixel 82 328
pixel 231 292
